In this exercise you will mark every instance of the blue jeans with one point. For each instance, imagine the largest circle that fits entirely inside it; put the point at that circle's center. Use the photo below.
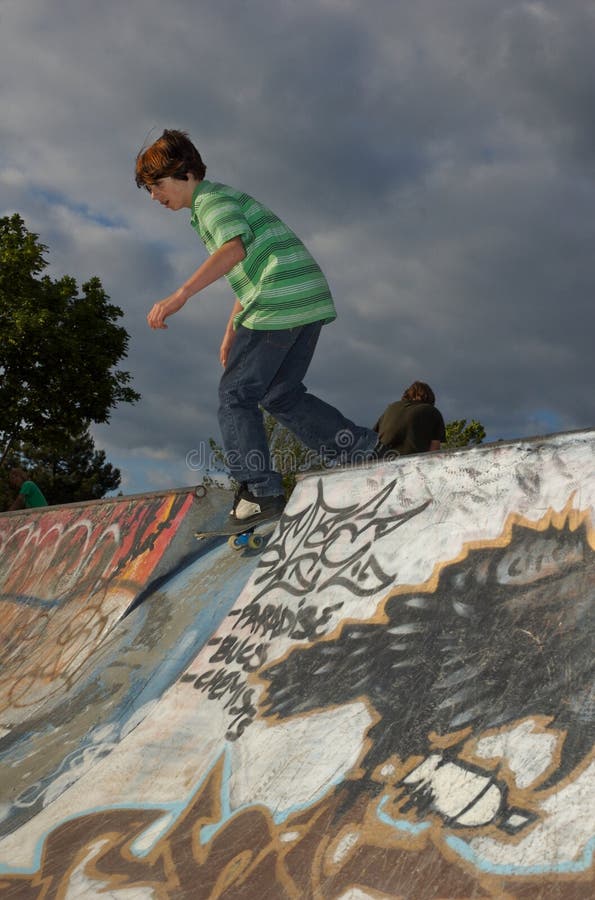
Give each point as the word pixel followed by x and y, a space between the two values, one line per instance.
pixel 266 368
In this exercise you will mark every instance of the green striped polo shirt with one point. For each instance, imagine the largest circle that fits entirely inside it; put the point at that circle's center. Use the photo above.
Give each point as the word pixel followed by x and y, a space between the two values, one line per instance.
pixel 279 284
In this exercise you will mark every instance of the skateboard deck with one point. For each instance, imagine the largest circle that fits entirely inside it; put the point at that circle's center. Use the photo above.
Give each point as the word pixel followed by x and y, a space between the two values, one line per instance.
pixel 240 534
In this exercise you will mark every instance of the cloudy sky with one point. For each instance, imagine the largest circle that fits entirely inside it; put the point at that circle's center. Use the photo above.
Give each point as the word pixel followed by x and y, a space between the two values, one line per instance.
pixel 437 156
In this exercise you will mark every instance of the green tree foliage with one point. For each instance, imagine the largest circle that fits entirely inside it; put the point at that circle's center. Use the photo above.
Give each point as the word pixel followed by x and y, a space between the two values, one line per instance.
pixel 67 468
pixel 459 434
pixel 290 457
pixel 58 349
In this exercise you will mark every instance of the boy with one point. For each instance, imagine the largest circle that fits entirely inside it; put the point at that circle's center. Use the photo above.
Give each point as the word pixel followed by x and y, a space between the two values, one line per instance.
pixel 412 424
pixel 29 495
pixel 282 302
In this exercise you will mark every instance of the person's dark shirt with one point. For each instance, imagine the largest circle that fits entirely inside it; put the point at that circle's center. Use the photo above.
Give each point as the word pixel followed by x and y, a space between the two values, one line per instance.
pixel 410 426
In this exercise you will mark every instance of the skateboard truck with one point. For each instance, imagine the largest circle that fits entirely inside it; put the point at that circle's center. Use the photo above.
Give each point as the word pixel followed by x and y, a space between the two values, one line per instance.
pixel 246 540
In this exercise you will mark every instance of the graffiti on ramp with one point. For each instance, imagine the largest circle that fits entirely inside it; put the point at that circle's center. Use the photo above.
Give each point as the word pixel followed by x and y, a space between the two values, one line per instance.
pixel 398 704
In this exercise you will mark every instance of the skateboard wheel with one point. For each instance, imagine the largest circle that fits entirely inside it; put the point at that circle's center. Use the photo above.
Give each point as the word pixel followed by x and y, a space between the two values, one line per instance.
pixel 235 542
pixel 255 541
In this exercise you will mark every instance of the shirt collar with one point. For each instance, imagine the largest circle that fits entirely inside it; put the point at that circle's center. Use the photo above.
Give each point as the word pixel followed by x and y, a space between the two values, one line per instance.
pixel 200 188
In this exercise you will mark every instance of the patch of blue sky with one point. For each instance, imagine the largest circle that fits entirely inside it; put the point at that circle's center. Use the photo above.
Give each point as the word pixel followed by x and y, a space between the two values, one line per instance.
pixel 549 419
pixel 56 198
pixel 537 423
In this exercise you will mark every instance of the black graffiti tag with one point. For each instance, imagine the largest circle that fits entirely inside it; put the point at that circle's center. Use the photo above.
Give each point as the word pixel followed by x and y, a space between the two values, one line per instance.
pixel 303 623
pixel 303 561
pixel 322 546
pixel 249 655
pixel 220 683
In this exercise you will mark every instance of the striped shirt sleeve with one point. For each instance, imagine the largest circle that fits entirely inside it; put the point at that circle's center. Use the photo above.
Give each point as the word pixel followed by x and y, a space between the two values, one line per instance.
pixel 223 221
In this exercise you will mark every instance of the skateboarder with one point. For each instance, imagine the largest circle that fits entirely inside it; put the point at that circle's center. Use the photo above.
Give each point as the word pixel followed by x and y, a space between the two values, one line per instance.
pixel 282 302
pixel 412 424
pixel 29 495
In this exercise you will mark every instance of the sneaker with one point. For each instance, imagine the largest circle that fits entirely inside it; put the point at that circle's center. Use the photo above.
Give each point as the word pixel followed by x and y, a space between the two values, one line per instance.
pixel 242 488
pixel 248 507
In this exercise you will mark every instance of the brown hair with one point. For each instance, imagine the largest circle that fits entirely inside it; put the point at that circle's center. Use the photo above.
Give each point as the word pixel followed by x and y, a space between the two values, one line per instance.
pixel 420 391
pixel 172 155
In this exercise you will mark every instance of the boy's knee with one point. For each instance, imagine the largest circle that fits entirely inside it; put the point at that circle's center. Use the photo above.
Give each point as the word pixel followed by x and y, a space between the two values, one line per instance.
pixel 282 402
pixel 240 395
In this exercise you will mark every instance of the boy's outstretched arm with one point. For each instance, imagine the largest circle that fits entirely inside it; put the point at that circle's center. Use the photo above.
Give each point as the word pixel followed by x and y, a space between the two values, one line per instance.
pixel 215 267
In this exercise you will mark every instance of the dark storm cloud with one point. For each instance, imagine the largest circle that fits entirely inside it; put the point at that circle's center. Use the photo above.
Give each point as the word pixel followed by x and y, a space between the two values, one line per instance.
pixel 438 158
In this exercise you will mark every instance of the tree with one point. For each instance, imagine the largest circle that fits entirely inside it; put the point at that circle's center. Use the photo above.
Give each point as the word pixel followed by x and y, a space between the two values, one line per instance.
pixel 59 350
pixel 67 468
pixel 459 434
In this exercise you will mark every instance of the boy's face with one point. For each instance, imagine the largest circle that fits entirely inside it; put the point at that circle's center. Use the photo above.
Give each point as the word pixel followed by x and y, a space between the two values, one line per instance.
pixel 173 193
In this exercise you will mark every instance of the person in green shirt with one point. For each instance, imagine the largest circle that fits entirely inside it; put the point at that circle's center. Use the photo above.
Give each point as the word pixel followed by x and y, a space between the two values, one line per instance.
pixel 282 301
pixel 29 495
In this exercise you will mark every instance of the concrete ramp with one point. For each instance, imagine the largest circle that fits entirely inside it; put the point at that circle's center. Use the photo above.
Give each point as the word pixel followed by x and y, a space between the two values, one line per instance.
pixel 394 699
pixel 67 575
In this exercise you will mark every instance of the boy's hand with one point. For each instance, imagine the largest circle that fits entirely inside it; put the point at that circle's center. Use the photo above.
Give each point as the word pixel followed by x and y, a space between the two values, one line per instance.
pixel 220 263
pixel 226 347
pixel 163 309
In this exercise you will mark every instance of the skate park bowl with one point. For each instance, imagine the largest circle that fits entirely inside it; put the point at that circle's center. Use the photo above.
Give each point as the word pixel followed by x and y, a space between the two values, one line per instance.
pixel 393 698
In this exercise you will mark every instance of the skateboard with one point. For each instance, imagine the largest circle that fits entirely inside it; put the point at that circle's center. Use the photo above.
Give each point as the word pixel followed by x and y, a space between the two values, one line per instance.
pixel 239 536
